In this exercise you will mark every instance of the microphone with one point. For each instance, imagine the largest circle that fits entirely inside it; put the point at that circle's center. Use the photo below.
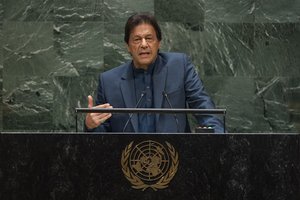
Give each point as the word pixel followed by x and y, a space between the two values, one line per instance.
pixel 137 105
pixel 175 116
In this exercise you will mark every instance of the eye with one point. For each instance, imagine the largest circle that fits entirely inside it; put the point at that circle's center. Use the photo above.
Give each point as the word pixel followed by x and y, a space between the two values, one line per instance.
pixel 149 39
pixel 137 40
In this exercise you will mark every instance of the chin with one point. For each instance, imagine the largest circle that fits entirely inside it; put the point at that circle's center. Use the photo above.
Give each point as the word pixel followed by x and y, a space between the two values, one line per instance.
pixel 145 62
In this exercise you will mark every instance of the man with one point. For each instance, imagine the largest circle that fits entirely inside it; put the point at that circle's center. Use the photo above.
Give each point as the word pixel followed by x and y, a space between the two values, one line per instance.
pixel 151 80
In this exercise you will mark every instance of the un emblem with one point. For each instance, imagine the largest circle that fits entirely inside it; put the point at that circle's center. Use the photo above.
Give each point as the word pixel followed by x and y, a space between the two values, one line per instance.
pixel 149 164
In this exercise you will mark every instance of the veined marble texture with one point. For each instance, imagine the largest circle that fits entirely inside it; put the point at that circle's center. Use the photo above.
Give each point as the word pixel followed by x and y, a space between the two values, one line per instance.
pixel 246 52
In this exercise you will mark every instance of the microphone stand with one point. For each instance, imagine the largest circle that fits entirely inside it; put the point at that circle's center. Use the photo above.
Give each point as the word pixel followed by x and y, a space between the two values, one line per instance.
pixel 175 116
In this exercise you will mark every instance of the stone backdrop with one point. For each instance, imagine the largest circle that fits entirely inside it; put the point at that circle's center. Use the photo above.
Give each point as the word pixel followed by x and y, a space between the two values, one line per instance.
pixel 246 51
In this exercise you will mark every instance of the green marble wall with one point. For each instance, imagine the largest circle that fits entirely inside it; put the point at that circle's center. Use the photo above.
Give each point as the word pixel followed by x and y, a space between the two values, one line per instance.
pixel 247 53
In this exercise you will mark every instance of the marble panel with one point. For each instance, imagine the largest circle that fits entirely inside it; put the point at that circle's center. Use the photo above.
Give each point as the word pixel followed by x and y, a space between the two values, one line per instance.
pixel 28 10
pixel 247 52
pixel 27 106
pixel 292 94
pixel 228 49
pixel 78 10
pixel 229 11
pixel 1 11
pixel 178 37
pixel 257 104
pixel 190 13
pixel 119 10
pixel 277 50
pixel 79 45
pixel 70 93
pixel 1 45
pixel 1 74
pixel 115 50
pixel 1 99
pixel 279 102
pixel 245 111
pixel 1 103
pixel 28 62
pixel 28 50
pixel 277 11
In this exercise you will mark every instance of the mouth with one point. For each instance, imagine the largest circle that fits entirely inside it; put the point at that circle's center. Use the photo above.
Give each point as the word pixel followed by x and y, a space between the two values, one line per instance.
pixel 144 54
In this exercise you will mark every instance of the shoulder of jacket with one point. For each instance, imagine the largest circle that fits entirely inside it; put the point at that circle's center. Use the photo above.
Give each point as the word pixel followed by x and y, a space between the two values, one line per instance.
pixel 172 54
pixel 117 70
pixel 171 57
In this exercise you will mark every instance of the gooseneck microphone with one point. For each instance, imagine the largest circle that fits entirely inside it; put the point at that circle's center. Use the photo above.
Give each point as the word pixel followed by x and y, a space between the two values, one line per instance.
pixel 137 105
pixel 175 116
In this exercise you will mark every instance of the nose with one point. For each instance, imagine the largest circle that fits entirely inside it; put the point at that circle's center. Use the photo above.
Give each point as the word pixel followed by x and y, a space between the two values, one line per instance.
pixel 144 43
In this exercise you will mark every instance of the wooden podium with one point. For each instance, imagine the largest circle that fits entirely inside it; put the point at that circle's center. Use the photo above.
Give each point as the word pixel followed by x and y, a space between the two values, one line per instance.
pixel 42 166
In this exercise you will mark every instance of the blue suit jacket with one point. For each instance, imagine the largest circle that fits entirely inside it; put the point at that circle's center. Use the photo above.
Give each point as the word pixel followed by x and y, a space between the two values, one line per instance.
pixel 174 74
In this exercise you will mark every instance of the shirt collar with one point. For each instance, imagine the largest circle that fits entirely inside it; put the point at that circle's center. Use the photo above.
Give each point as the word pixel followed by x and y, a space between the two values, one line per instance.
pixel 150 68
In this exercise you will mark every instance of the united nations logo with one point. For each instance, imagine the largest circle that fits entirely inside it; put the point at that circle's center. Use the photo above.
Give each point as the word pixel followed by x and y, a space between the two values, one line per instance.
pixel 149 164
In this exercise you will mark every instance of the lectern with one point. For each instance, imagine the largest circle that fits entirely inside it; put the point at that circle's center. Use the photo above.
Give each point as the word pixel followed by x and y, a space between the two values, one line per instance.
pixel 103 166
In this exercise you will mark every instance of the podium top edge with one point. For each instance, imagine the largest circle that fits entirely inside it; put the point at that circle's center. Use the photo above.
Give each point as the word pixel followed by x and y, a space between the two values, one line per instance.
pixel 130 133
pixel 151 110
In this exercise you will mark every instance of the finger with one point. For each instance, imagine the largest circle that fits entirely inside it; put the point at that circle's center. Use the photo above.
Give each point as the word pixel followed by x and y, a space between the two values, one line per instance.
pixel 103 119
pixel 102 116
pixel 106 105
pixel 99 118
pixel 90 101
pixel 95 119
pixel 91 121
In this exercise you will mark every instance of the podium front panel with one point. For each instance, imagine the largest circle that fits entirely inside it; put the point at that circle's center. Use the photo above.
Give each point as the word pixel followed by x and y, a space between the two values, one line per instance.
pixel 149 166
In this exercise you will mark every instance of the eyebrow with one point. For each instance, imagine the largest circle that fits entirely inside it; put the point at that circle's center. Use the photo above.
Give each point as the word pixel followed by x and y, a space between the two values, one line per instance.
pixel 147 35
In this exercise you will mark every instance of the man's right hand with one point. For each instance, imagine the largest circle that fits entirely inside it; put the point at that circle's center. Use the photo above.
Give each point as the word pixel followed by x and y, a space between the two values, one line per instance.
pixel 93 120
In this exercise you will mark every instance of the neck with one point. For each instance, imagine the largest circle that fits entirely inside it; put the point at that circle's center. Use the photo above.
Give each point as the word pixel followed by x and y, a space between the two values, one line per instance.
pixel 141 67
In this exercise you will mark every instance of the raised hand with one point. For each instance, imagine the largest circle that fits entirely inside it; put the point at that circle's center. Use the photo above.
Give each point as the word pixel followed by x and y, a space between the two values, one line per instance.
pixel 92 120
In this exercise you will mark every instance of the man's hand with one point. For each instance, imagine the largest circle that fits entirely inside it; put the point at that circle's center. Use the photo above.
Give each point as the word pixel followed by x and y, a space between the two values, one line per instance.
pixel 92 120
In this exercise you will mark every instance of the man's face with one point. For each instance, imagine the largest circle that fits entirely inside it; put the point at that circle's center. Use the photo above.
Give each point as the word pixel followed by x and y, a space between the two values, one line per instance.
pixel 143 45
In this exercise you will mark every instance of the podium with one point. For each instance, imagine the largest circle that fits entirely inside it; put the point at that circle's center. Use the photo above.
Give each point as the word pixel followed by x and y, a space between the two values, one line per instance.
pixel 122 166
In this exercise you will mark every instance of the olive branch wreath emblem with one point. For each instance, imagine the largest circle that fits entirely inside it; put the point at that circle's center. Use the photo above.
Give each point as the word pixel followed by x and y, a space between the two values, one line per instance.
pixel 137 183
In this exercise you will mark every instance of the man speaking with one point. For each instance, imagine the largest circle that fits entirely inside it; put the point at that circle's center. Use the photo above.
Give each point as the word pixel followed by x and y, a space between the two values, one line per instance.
pixel 150 80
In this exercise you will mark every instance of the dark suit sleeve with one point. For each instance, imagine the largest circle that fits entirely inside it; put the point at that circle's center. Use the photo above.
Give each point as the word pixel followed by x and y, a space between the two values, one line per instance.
pixel 197 97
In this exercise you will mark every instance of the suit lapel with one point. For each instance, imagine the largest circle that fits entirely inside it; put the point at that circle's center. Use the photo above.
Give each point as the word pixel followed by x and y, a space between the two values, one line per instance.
pixel 159 84
pixel 128 93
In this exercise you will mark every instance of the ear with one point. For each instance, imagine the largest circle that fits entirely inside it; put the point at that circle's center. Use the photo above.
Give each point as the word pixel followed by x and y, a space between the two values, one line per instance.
pixel 128 48
pixel 159 44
